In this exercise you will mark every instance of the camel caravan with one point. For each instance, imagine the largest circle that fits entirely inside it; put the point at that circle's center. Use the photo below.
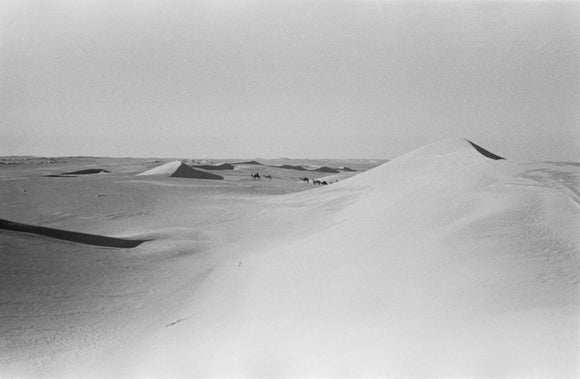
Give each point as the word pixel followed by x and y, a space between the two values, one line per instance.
pixel 314 181
pixel 257 176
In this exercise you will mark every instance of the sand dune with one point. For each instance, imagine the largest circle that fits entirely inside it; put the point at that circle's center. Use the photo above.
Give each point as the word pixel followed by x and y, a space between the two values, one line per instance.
pixel 178 169
pixel 327 169
pixel 219 166
pixel 292 167
pixel 248 163
pixel 441 262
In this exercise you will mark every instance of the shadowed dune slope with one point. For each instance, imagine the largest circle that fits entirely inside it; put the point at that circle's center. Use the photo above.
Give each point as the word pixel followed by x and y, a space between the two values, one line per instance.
pixel 67 235
pixel 179 169
pixel 484 152
pixel 292 167
pixel 248 163
pixel 88 171
pixel 219 167
pixel 326 169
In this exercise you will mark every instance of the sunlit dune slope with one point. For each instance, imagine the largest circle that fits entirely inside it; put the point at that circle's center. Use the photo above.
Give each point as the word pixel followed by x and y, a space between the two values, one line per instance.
pixel 441 262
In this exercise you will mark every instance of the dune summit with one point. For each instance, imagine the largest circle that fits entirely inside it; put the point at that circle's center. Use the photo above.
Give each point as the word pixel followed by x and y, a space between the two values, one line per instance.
pixel 178 169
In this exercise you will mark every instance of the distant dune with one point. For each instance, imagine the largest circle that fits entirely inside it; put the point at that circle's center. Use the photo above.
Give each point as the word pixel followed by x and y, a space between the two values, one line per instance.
pixel 291 167
pixel 178 169
pixel 326 169
pixel 89 171
pixel 220 166
pixel 248 163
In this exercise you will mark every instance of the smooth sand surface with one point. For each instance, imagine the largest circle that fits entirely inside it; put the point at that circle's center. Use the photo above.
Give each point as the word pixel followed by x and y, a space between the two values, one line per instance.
pixel 441 262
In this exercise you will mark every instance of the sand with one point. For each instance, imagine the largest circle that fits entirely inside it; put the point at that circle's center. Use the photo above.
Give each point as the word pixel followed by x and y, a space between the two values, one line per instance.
pixel 441 262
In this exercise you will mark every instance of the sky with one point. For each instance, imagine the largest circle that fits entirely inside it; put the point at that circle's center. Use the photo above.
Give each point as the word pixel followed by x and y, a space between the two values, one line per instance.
pixel 298 79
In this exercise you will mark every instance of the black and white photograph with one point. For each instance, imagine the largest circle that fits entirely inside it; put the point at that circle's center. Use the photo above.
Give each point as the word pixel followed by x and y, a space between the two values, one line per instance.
pixel 289 189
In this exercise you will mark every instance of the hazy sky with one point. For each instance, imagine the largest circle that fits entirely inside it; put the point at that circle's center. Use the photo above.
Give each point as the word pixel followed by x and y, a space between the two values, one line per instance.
pixel 288 78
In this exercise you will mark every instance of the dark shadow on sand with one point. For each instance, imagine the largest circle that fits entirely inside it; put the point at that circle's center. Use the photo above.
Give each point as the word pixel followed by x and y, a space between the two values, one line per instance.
pixel 484 152
pixel 66 235
pixel 89 171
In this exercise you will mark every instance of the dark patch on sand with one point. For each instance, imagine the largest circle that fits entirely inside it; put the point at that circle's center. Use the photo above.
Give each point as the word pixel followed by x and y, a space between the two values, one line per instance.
pixel 175 322
pixel 290 167
pixel 327 169
pixel 484 152
pixel 66 235
pixel 249 162
pixel 88 171
pixel 185 171
pixel 224 166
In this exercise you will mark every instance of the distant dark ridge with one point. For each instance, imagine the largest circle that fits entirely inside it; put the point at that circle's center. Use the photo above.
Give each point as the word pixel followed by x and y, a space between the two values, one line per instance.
pixel 290 167
pixel 185 171
pixel 59 176
pixel 344 168
pixel 484 152
pixel 249 162
pixel 84 238
pixel 86 172
pixel 327 169
pixel 224 166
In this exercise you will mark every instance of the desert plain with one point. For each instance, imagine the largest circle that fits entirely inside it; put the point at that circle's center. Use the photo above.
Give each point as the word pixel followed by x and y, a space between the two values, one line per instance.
pixel 441 262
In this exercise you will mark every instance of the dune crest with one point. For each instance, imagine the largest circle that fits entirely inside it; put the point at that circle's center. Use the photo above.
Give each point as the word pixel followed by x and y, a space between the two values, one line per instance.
pixel 178 169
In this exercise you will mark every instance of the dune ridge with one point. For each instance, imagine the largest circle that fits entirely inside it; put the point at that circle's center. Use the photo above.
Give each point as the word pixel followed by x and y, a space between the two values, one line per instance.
pixel 178 169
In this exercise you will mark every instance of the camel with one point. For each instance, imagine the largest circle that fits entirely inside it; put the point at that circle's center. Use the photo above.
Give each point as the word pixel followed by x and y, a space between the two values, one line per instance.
pixel 255 176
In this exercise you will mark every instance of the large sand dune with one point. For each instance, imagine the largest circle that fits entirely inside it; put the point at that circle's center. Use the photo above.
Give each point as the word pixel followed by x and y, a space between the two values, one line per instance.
pixel 441 262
